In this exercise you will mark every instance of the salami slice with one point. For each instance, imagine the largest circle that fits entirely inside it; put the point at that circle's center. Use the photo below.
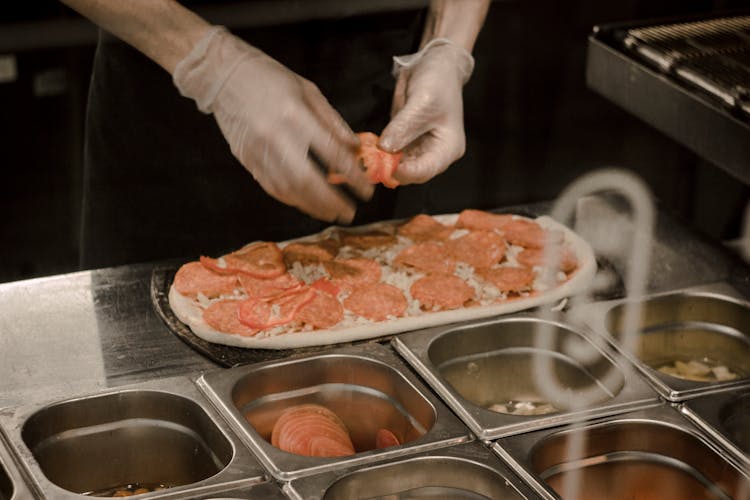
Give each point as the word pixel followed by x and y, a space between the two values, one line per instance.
pixel 385 438
pixel 280 310
pixel 441 291
pixel 479 249
pixel 193 278
pixel 478 219
pixel 367 240
pixel 259 288
pixel 428 256
pixel 352 273
pixel 529 234
pixel 531 257
pixel 327 286
pixel 311 430
pixel 510 279
pixel 260 260
pixel 310 252
pixel 377 302
pixel 223 316
pixel 423 228
pixel 323 311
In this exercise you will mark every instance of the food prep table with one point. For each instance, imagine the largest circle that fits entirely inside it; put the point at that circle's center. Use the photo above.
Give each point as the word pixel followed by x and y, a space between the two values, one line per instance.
pixel 91 344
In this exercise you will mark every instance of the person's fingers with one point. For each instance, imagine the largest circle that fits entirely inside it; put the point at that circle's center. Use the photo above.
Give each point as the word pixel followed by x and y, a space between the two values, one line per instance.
pixel 409 124
pixel 338 158
pixel 284 170
pixel 328 116
pixel 399 94
pixel 428 156
pixel 317 197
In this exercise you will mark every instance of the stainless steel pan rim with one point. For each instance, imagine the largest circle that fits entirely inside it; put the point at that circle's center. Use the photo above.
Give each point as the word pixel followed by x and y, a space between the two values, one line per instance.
pixel 523 450
pixel 708 412
pixel 416 349
pixel 237 468
pixel 13 484
pixel 234 389
pixel 595 316
pixel 348 480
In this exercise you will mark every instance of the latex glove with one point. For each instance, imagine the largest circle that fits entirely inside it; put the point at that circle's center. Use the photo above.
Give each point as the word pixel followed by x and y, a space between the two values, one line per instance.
pixel 274 120
pixel 427 113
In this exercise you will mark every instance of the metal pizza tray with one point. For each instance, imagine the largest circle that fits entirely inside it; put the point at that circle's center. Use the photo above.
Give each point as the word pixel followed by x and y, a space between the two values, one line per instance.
pixel 227 356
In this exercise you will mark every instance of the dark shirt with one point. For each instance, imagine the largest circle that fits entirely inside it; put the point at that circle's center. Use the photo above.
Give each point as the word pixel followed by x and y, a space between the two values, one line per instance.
pixel 160 181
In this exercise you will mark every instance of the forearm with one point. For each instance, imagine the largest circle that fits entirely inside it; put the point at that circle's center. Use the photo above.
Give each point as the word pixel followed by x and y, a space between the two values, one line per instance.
pixel 163 30
pixel 457 20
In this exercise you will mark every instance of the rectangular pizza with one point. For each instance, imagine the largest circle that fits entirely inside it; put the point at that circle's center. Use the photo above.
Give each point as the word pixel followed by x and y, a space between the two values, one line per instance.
pixel 347 284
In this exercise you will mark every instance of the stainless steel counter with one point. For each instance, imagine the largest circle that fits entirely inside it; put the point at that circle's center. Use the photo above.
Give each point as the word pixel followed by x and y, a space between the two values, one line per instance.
pixel 83 332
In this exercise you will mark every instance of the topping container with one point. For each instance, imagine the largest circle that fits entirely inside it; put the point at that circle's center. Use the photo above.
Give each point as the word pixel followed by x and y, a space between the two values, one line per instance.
pixel 708 324
pixel 161 433
pixel 654 453
pixel 485 372
pixel 725 416
pixel 366 386
pixel 467 470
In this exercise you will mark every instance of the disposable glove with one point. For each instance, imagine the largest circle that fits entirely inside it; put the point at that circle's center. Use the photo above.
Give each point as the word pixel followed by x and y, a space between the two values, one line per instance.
pixel 277 124
pixel 427 111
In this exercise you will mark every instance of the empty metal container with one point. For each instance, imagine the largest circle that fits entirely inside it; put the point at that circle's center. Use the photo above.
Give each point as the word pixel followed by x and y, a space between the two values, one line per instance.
pixel 652 453
pixel 487 373
pixel 158 436
pixel 467 470
pixel 726 417
pixel 690 342
pixel 366 386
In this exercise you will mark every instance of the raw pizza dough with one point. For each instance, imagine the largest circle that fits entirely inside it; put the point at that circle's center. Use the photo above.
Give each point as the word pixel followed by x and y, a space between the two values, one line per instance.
pixel 190 311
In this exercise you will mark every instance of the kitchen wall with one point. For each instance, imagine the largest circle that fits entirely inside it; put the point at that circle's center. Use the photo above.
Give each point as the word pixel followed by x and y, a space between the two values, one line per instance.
pixel 532 125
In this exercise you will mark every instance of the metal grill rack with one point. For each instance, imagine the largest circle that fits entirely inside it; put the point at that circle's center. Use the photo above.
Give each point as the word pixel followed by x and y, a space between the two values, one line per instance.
pixel 691 80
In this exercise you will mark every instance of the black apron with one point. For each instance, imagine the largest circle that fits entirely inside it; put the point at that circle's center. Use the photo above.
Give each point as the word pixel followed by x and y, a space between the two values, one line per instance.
pixel 160 181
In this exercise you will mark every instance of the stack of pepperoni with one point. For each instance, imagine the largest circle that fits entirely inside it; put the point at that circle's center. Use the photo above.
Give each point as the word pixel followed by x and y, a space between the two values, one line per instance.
pixel 343 277
pixel 315 431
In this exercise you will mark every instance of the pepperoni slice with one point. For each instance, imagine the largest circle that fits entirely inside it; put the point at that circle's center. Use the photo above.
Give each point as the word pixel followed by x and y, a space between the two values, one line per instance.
pixel 325 285
pixel 479 249
pixel 479 219
pixel 223 316
pixel 531 257
pixel 385 438
pixel 310 252
pixel 280 310
pixel 377 302
pixel 441 291
pixel 423 228
pixel 510 279
pixel 260 260
pixel 428 256
pixel 311 430
pixel 367 240
pixel 529 234
pixel 323 311
pixel 259 288
pixel 352 273
pixel 379 165
pixel 193 278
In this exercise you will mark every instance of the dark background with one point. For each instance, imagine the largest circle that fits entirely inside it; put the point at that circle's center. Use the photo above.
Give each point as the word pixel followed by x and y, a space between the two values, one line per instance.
pixel 532 125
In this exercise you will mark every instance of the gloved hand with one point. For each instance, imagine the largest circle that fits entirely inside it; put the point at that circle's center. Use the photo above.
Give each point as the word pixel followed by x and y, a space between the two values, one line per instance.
pixel 427 113
pixel 273 120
